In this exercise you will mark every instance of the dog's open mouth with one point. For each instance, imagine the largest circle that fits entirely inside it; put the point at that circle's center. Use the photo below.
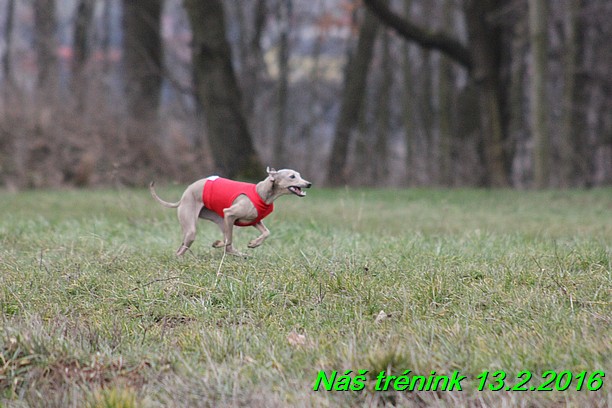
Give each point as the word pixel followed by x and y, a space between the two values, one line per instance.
pixel 297 191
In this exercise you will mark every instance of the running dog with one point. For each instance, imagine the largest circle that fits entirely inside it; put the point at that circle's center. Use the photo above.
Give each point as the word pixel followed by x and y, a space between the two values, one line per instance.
pixel 227 203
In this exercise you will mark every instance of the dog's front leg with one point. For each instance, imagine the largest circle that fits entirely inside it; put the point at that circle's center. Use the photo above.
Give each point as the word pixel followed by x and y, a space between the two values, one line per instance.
pixel 265 233
pixel 229 219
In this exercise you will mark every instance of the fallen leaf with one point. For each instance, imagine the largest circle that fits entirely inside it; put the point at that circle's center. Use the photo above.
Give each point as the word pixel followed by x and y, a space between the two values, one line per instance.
pixel 297 339
pixel 381 316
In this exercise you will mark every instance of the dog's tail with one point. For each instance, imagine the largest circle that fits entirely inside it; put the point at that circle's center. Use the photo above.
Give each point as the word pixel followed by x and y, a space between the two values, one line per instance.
pixel 159 200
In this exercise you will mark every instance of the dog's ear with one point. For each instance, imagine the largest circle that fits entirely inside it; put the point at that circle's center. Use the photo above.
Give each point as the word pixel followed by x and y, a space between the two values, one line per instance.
pixel 271 172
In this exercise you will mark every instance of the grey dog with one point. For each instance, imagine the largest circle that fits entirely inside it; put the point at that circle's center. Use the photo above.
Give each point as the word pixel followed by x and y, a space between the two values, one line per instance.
pixel 228 203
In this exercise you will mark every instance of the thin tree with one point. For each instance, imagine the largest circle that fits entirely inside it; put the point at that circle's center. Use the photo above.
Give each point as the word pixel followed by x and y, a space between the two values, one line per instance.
pixel 383 114
pixel 445 106
pixel 408 109
pixel 567 148
pixel 82 25
pixel 284 18
pixel 516 95
pixel 46 45
pixel 7 73
pixel 538 34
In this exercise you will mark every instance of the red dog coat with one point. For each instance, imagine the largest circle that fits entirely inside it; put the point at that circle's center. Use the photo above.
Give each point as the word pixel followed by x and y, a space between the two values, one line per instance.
pixel 219 193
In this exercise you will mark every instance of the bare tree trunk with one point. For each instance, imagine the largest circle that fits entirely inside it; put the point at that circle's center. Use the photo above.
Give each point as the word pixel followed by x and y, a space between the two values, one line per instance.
pixel 46 45
pixel 314 96
pixel 362 155
pixel 7 63
pixel 383 115
pixel 352 99
pixel 538 34
pixel 484 44
pixel 425 150
pixel 84 17
pixel 445 106
pixel 516 124
pixel 284 18
pixel 567 148
pixel 142 53
pixel 408 106
pixel 107 18
pixel 418 113
pixel 217 89
pixel 142 70
pixel 251 54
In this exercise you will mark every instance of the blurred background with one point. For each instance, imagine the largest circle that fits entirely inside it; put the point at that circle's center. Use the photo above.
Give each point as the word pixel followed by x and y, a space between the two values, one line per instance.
pixel 486 93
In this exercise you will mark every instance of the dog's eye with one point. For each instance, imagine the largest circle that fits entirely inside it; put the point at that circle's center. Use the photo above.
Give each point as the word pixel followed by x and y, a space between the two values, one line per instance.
pixel 292 176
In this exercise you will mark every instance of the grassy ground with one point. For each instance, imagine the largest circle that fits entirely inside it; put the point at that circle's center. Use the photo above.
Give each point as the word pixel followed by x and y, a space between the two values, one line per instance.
pixel 96 310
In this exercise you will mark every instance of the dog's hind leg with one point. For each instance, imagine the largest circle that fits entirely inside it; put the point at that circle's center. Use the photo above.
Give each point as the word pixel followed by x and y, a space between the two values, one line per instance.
pixel 188 217
pixel 209 215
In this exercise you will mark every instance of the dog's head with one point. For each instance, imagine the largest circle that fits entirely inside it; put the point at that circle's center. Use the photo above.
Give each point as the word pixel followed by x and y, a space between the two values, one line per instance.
pixel 288 181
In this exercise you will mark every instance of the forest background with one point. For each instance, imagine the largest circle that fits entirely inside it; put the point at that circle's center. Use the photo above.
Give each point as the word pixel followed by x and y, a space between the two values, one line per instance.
pixel 486 93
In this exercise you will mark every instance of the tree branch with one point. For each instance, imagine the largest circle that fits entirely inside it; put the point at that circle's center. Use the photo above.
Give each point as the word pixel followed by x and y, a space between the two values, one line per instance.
pixel 438 41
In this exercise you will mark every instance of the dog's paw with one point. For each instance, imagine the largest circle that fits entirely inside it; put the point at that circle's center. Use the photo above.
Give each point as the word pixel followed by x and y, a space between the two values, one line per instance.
pixel 254 243
pixel 182 249
pixel 237 254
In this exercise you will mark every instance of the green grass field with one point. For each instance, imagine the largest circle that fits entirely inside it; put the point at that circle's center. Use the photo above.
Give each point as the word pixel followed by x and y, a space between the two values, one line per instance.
pixel 95 309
